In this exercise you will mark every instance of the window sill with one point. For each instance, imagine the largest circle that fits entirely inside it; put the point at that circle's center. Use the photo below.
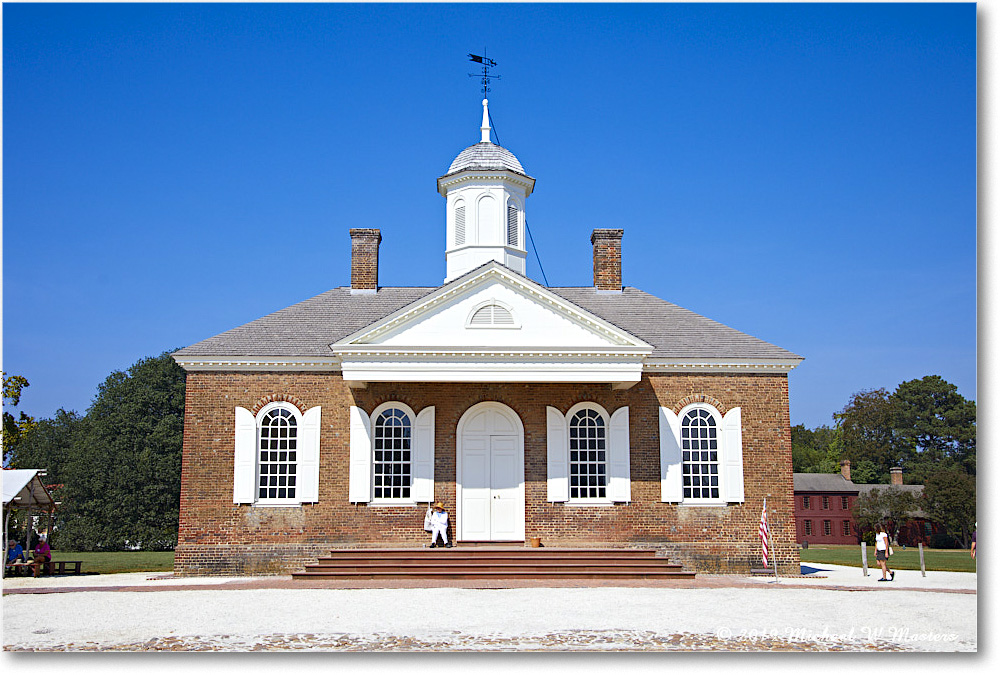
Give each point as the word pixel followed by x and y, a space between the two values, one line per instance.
pixel 589 502
pixel 278 505
pixel 392 502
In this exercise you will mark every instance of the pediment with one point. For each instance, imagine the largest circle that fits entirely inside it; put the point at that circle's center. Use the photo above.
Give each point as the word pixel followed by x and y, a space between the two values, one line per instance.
pixel 493 308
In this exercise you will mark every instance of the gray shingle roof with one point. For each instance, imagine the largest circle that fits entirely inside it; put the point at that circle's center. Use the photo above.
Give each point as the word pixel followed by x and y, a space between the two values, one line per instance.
pixel 673 331
pixel 823 482
pixel 309 327
pixel 486 157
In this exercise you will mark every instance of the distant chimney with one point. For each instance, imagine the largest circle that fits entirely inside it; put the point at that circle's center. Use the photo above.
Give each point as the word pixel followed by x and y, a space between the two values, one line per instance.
pixel 896 475
pixel 845 469
pixel 607 259
pixel 364 259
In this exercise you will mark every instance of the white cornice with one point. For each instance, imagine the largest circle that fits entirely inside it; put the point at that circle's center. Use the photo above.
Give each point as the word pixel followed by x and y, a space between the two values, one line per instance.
pixel 468 175
pixel 317 363
pixel 661 365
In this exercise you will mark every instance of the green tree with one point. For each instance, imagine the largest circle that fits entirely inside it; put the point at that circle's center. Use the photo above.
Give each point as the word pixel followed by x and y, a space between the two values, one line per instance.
pixel 123 474
pixel 867 425
pixel 883 504
pixel 935 426
pixel 13 427
pixel 950 498
pixel 816 450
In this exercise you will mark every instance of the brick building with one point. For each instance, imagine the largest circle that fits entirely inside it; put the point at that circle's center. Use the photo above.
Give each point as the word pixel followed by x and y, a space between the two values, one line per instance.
pixel 824 504
pixel 594 416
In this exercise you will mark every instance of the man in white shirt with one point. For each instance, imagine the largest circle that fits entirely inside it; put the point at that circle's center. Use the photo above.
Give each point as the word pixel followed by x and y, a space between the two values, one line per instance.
pixel 882 553
pixel 439 525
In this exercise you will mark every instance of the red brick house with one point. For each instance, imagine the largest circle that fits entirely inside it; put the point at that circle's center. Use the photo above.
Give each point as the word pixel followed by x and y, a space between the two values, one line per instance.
pixel 589 416
pixel 824 504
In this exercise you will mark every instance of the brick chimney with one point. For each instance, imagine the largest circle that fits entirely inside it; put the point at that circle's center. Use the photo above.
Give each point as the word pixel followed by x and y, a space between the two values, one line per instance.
pixel 364 259
pixel 896 475
pixel 845 469
pixel 607 259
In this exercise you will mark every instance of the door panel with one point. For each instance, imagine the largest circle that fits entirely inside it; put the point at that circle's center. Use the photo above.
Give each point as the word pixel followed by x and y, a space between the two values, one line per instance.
pixel 476 492
pixel 505 484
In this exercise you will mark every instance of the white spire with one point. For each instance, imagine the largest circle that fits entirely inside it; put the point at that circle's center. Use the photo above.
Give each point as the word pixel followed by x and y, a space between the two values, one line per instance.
pixel 486 122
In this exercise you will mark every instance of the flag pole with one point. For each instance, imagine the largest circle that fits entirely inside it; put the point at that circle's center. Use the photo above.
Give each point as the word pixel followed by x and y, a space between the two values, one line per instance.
pixel 774 551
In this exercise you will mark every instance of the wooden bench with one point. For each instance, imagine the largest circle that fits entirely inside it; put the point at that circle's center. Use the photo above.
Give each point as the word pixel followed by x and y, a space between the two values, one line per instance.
pixel 52 567
pixel 762 570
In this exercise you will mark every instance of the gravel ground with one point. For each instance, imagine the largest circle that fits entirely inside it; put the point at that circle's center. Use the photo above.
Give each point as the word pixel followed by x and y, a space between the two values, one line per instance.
pixel 842 611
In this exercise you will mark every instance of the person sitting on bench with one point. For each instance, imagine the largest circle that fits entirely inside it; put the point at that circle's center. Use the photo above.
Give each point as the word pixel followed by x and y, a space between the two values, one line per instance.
pixel 42 555
pixel 15 554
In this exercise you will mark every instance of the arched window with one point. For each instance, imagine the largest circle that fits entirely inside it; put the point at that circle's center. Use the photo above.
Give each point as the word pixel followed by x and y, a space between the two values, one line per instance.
pixel 277 459
pixel 588 456
pixel 492 314
pixel 277 455
pixel 700 454
pixel 392 455
pixel 392 436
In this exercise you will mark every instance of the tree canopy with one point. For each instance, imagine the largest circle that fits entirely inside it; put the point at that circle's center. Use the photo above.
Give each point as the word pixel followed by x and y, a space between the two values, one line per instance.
pixel 118 465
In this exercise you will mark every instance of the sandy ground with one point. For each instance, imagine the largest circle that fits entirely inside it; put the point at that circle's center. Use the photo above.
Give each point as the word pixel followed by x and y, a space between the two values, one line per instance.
pixel 830 608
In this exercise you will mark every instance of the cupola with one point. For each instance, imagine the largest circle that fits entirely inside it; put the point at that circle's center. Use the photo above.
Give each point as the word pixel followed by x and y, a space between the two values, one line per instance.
pixel 485 188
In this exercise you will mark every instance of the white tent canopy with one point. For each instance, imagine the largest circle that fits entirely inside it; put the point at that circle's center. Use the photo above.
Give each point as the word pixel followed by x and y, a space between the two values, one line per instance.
pixel 23 488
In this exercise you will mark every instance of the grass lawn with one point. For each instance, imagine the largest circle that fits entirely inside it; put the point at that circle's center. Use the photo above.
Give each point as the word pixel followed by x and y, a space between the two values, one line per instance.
pixel 125 561
pixel 946 560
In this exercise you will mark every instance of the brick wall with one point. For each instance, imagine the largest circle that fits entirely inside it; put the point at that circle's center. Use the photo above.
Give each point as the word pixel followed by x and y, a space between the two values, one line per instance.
pixel 816 514
pixel 364 258
pixel 219 537
pixel 607 259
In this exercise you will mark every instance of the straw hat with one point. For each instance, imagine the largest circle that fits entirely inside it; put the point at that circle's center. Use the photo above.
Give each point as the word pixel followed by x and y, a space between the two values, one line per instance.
pixel 438 505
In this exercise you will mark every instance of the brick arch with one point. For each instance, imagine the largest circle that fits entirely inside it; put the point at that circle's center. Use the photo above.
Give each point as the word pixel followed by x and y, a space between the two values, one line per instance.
pixel 701 398
pixel 272 398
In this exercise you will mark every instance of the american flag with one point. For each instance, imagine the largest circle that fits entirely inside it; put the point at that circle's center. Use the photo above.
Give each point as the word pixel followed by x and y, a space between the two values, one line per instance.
pixel 764 533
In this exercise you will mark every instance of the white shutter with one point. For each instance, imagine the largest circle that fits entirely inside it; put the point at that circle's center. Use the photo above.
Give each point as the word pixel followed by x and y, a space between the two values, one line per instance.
pixel 671 479
pixel 619 469
pixel 245 457
pixel 360 485
pixel 558 455
pixel 308 449
pixel 732 455
pixel 422 452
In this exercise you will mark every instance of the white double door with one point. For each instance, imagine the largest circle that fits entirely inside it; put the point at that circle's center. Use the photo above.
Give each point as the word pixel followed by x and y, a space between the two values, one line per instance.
pixel 491 478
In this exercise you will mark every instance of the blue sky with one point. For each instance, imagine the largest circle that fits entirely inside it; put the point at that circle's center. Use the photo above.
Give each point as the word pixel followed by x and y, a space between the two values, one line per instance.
pixel 803 173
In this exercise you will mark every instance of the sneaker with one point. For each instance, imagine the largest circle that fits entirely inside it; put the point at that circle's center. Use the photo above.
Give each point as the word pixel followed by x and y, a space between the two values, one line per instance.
pixel 449 545
pixel 434 545
pixel 883 580
pixel 892 576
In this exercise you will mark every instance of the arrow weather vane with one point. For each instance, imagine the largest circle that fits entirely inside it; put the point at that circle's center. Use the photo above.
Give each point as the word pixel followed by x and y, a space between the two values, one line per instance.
pixel 485 75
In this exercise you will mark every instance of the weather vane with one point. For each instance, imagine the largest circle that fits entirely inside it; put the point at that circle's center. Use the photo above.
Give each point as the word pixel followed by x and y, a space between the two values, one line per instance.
pixel 485 75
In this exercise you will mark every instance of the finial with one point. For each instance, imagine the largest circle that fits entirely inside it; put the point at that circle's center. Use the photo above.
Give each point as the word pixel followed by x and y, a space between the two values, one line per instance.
pixel 486 122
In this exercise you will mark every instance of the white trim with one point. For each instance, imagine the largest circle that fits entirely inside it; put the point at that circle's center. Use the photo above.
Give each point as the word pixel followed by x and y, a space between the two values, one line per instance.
pixel 449 181
pixel 662 365
pixel 272 363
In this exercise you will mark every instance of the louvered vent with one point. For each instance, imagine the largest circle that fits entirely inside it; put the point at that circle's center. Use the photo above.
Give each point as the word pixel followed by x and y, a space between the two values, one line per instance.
pixel 459 225
pixel 492 315
pixel 512 226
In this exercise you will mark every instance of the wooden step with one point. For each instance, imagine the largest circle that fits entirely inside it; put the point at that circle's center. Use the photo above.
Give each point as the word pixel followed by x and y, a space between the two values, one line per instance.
pixel 493 562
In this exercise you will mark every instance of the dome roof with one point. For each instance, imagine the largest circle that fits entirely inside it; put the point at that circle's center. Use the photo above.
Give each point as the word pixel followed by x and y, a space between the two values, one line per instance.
pixel 486 156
